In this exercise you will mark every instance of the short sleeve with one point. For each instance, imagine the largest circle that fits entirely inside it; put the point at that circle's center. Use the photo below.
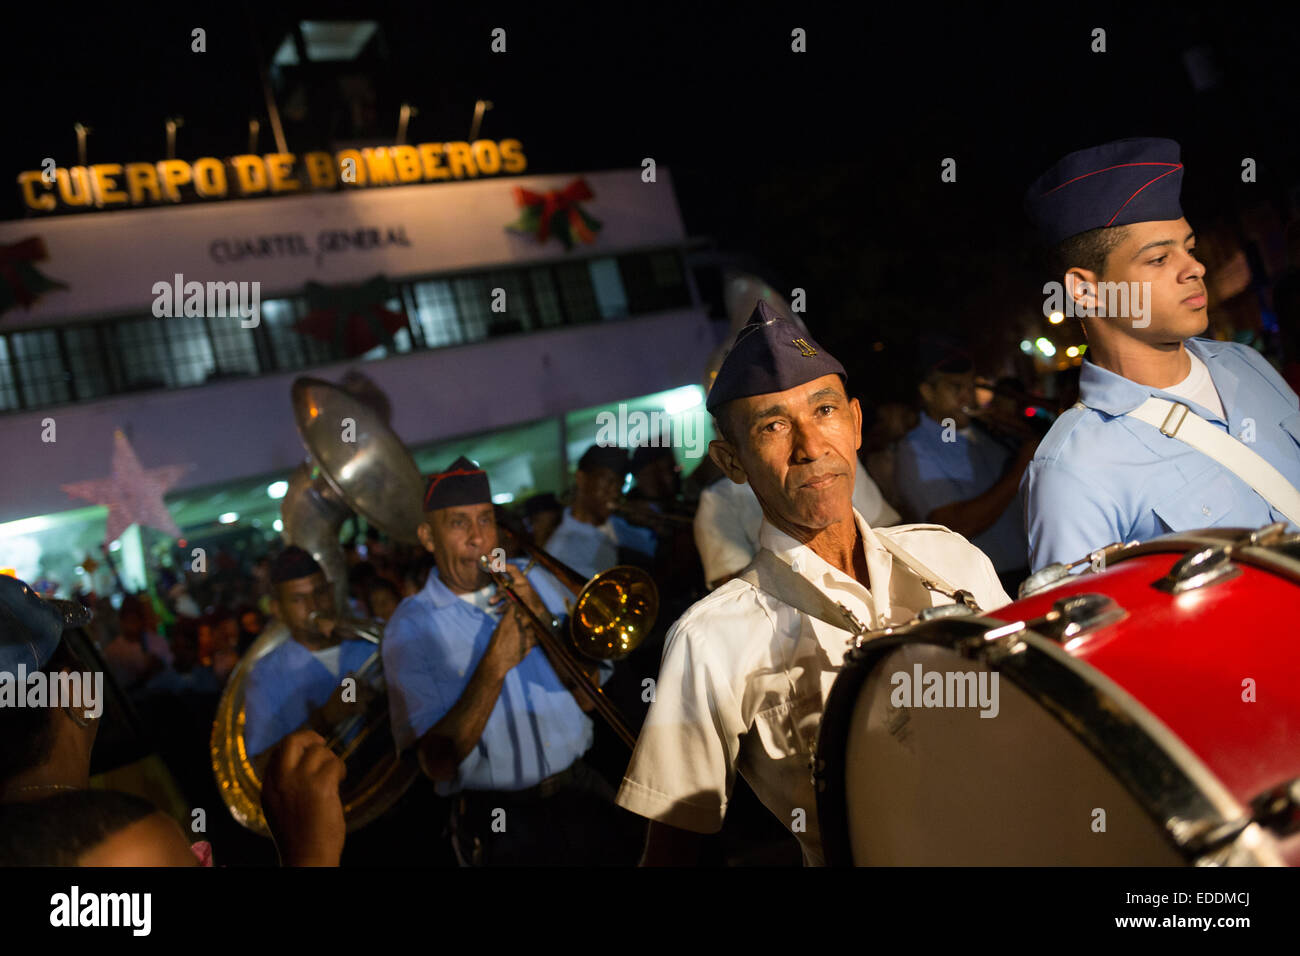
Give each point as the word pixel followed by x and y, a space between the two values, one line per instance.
pixel 422 688
pixel 265 723
pixel 720 537
pixel 684 764
pixel 1066 516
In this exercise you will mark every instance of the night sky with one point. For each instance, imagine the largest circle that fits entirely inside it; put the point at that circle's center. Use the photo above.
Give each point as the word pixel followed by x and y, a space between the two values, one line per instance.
pixel 822 168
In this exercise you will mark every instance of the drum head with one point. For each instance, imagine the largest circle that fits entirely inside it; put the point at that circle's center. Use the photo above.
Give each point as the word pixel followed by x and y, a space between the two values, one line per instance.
pixel 943 785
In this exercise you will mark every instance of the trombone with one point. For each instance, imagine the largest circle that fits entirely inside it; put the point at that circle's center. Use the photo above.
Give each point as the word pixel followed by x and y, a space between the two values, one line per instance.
pixel 611 615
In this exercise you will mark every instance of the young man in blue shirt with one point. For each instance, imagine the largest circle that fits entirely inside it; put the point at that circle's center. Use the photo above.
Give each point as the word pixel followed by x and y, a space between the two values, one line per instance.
pixel 1126 258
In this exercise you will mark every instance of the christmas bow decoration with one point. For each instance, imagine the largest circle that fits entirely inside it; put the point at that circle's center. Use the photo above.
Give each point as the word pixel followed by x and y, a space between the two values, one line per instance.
pixel 556 211
pixel 354 318
pixel 21 282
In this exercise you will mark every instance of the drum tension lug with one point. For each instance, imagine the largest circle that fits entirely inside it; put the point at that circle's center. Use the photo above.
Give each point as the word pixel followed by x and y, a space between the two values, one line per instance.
pixel 1279 808
pixel 1199 569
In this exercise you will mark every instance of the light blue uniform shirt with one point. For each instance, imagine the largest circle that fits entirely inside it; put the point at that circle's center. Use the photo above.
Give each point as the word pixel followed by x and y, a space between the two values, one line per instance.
pixel 1100 476
pixel 930 473
pixel 590 549
pixel 432 645
pixel 287 684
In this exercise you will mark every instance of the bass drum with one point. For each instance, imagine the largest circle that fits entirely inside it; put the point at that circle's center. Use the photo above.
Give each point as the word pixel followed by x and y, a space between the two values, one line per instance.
pixel 1144 715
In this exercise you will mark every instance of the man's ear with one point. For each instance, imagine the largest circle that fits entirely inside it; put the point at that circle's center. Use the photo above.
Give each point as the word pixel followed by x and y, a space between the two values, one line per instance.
pixel 425 533
pixel 725 457
pixel 927 393
pixel 857 422
pixel 1081 287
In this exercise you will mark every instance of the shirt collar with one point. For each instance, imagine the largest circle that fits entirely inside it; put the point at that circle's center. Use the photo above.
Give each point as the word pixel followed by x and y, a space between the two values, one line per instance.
pixel 1114 394
pixel 806 562
pixel 436 591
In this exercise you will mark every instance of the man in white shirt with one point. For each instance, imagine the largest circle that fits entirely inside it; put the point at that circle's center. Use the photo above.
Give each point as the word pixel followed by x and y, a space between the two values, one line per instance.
pixel 745 676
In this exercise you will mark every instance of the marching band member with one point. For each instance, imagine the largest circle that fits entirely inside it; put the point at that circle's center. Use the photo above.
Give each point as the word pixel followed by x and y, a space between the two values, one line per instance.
pixel 1229 453
pixel 745 675
pixel 299 683
pixel 590 535
pixel 491 721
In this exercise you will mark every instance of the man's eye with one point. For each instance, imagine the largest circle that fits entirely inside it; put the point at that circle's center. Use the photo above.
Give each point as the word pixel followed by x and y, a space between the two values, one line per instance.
pixel 1156 262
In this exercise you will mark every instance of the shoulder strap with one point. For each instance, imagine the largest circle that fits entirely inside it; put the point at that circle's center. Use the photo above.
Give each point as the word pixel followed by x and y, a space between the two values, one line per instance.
pixel 769 573
pixel 1176 420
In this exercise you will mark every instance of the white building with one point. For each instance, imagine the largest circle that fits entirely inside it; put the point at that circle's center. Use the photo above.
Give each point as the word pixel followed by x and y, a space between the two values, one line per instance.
pixel 616 320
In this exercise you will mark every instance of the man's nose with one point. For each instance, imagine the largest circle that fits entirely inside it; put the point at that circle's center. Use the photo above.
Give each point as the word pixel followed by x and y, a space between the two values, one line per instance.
pixel 809 443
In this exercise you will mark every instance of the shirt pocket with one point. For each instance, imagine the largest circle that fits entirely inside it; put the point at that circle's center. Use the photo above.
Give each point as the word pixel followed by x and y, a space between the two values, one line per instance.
pixel 789 728
pixel 1203 502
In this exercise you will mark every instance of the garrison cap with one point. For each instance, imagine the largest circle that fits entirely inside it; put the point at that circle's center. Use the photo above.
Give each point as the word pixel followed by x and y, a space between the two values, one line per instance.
pixel 463 483
pixel 1116 184
pixel 30 626
pixel 770 354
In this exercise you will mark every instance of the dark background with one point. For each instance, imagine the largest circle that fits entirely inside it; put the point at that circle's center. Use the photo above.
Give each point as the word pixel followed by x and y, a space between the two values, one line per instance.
pixel 822 168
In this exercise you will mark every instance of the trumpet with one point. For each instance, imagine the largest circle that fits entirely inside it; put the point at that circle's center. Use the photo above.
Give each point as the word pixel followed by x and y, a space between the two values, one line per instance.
pixel 611 615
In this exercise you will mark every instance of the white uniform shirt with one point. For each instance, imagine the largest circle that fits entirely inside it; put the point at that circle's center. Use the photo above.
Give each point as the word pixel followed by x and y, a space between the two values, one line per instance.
pixel 729 515
pixel 744 679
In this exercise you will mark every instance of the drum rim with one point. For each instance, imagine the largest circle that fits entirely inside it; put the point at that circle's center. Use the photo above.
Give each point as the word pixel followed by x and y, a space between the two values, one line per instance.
pixel 1263 556
pixel 1180 794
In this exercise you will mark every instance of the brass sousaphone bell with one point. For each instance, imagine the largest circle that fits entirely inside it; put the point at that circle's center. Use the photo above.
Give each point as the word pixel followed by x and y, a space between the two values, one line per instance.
pixel 355 464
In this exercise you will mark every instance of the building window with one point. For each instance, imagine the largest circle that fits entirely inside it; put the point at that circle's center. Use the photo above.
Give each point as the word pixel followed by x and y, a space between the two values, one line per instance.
pixel 545 297
pixel 141 349
pixel 8 393
pixel 608 287
pixel 292 349
pixel 40 368
pixel 435 310
pixel 473 300
pixel 576 293
pixel 87 361
pixel 234 350
pixel 654 282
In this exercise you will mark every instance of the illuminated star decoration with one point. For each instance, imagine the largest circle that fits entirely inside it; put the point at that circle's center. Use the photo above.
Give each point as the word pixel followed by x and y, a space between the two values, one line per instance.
pixel 132 493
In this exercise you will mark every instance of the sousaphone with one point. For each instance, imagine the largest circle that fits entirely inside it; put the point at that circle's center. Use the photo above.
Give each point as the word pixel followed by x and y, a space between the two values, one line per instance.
pixel 355 464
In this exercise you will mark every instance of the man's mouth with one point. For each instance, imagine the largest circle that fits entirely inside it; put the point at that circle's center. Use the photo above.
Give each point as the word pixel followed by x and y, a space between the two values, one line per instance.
pixel 1196 300
pixel 821 481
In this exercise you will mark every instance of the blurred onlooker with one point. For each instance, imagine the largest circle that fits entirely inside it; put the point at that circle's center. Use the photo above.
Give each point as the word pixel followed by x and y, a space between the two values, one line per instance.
pixel 136 653
pixel 382 598
pixel 186 675
pixel 542 515
pixel 892 421
pixel 225 644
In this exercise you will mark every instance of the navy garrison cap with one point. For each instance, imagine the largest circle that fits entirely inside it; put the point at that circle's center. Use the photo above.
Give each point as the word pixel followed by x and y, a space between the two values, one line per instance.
pixel 464 483
pixel 30 626
pixel 770 354
pixel 1127 181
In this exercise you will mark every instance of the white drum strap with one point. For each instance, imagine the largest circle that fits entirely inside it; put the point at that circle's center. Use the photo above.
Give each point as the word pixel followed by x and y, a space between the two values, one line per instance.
pixel 1176 420
pixel 769 573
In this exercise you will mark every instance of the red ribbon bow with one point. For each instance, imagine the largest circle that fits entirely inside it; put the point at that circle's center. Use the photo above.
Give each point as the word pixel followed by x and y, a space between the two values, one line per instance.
pixel 557 200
